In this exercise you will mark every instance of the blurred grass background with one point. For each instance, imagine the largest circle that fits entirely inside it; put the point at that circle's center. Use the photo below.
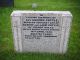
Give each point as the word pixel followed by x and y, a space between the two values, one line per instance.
pixel 6 40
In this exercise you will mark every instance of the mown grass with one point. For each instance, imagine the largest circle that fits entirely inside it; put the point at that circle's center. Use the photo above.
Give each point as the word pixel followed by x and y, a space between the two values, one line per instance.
pixel 6 40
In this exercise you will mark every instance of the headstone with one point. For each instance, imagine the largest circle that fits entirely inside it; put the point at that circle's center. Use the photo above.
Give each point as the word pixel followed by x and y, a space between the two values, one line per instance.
pixel 41 31
pixel 34 5
pixel 6 3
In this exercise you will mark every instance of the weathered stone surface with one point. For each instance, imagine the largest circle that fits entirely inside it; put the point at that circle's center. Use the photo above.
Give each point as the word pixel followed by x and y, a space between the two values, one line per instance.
pixel 41 31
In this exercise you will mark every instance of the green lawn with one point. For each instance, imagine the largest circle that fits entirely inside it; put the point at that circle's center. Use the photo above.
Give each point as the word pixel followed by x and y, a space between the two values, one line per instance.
pixel 6 40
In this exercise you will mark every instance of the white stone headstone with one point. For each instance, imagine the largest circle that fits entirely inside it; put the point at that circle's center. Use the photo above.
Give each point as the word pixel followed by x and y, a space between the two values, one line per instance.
pixel 41 31
pixel 34 5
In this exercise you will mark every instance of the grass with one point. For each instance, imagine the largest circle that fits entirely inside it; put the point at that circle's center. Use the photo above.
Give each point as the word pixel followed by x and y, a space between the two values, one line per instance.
pixel 6 40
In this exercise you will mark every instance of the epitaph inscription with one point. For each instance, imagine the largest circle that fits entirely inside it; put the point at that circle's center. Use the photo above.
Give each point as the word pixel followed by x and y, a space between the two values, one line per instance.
pixel 38 27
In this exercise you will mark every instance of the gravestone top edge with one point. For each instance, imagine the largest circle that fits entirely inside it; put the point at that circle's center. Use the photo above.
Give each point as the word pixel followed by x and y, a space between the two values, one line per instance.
pixel 20 12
